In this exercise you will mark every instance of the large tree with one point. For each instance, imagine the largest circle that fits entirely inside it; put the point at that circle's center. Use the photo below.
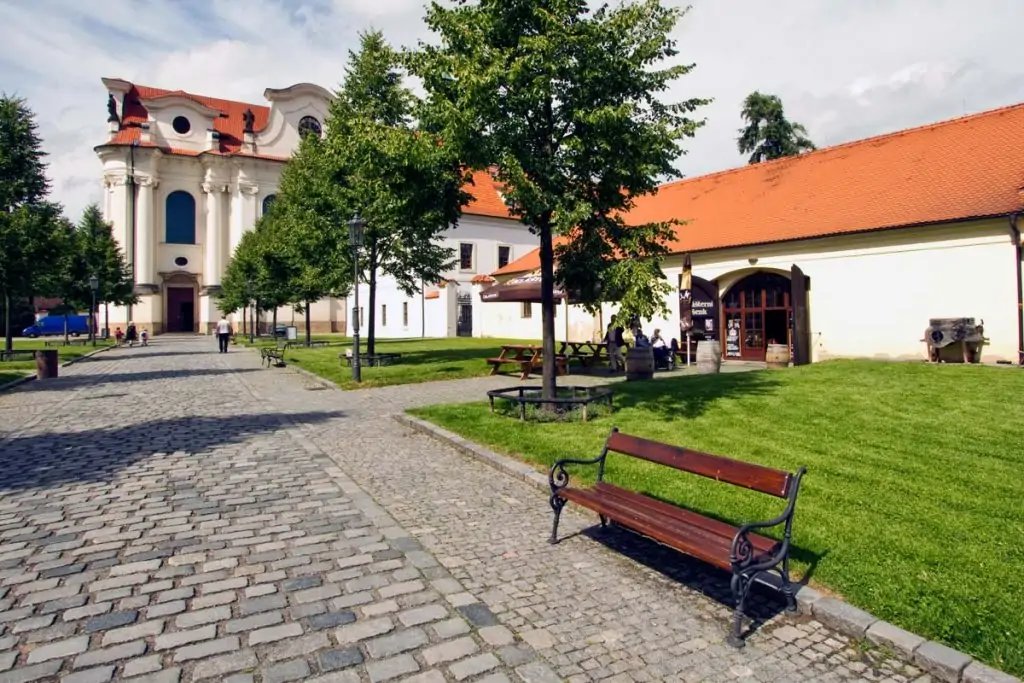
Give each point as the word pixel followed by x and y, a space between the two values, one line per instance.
pixel 258 273
pixel 29 227
pixel 403 180
pixel 563 104
pixel 768 134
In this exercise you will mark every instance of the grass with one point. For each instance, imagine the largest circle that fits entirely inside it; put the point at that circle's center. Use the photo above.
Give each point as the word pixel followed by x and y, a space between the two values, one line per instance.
pixel 12 370
pixel 423 360
pixel 912 505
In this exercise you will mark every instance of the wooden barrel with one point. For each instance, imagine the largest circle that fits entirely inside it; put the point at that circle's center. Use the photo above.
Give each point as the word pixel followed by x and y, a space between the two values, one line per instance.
pixel 709 357
pixel 777 356
pixel 640 363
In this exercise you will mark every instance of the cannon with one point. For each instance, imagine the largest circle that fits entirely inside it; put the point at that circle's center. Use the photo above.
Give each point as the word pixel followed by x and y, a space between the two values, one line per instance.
pixel 954 340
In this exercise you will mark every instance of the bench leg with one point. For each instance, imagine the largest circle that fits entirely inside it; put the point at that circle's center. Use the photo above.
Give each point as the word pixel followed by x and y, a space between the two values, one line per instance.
pixel 787 587
pixel 740 585
pixel 556 504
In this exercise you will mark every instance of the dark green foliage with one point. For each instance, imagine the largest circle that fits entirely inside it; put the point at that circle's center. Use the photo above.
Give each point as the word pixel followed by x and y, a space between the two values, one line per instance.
pixel 562 104
pixel 768 134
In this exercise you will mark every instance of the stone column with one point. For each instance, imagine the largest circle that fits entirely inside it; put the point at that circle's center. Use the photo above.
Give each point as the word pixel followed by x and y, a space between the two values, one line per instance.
pixel 144 229
pixel 212 247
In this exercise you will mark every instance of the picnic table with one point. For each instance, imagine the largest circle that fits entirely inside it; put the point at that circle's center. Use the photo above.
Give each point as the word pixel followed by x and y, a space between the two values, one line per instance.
pixel 368 360
pixel 528 357
pixel 587 353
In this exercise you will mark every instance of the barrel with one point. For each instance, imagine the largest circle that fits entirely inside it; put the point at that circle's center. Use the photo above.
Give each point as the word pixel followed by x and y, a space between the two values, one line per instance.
pixel 640 363
pixel 709 356
pixel 46 364
pixel 777 356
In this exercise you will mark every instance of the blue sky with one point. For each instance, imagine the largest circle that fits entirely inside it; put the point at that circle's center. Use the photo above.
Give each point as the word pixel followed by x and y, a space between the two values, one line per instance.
pixel 846 70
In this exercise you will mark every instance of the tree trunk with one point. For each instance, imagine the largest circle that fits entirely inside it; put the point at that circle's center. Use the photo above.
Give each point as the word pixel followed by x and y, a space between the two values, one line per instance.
pixel 547 305
pixel 256 315
pixel 370 334
pixel 274 331
pixel 65 329
pixel 8 332
pixel 309 338
pixel 245 320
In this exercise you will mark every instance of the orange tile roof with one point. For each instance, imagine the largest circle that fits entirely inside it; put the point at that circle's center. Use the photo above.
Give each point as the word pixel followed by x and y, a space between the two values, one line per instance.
pixel 968 167
pixel 229 124
pixel 486 199
pixel 481 279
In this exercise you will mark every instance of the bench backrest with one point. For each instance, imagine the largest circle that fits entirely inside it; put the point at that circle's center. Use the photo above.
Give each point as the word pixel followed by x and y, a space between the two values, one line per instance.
pixel 748 475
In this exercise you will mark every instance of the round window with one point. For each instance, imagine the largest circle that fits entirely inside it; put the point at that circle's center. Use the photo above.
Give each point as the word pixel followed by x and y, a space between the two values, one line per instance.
pixel 181 125
pixel 181 261
pixel 309 125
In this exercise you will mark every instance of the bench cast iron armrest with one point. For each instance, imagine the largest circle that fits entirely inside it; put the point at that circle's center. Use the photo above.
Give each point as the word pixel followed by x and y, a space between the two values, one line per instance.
pixel 558 477
pixel 742 553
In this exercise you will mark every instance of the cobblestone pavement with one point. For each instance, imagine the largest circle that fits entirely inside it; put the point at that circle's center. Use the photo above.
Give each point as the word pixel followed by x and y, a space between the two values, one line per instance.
pixel 171 513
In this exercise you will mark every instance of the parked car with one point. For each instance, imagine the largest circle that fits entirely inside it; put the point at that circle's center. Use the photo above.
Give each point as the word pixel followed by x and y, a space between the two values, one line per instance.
pixel 54 325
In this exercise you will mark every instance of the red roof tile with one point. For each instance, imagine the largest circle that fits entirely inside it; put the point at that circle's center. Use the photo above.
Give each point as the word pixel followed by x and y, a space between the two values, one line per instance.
pixel 962 168
pixel 487 199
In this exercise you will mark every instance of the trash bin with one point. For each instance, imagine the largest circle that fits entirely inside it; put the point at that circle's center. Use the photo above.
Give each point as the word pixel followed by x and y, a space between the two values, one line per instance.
pixel 291 333
pixel 46 363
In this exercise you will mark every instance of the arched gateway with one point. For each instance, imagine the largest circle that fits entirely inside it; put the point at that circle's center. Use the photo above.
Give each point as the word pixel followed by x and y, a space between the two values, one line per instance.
pixel 765 308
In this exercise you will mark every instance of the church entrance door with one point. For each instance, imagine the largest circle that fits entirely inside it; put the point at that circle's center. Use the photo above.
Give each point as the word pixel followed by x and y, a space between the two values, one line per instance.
pixel 181 309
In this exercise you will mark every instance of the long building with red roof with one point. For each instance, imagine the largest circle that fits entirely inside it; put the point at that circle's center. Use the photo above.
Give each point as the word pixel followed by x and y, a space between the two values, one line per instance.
pixel 848 250
pixel 186 175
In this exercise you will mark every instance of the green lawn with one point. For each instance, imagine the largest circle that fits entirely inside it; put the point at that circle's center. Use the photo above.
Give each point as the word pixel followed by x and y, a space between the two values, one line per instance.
pixel 12 370
pixel 423 360
pixel 912 505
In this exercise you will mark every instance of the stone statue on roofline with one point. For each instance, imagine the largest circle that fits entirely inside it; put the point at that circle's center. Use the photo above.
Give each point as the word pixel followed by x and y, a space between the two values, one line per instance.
pixel 249 118
pixel 112 109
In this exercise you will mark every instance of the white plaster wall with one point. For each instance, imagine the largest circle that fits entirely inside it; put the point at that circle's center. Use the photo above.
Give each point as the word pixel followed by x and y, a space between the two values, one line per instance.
pixel 872 294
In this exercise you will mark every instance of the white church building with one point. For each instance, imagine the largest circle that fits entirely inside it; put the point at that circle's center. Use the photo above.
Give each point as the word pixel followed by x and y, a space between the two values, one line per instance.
pixel 185 175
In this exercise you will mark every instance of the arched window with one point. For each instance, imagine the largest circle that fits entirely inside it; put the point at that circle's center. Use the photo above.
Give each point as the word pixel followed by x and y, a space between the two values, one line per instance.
pixel 268 201
pixel 181 218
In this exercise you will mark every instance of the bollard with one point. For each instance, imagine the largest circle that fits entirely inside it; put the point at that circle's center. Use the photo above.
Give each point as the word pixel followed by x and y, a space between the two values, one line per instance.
pixel 46 364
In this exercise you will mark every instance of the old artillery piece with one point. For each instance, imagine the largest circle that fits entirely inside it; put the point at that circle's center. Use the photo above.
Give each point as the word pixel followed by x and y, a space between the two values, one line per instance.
pixel 954 340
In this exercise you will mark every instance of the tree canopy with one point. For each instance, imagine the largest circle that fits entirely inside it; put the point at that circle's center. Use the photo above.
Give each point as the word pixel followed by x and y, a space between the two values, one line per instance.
pixel 375 161
pixel 30 230
pixel 768 133
pixel 562 103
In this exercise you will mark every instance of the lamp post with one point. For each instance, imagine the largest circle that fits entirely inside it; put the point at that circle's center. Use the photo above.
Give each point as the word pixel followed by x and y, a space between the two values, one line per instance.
pixel 356 229
pixel 94 285
pixel 248 298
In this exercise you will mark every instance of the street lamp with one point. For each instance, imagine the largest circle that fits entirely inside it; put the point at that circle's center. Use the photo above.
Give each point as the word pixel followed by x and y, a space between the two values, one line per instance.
pixel 248 298
pixel 94 285
pixel 356 231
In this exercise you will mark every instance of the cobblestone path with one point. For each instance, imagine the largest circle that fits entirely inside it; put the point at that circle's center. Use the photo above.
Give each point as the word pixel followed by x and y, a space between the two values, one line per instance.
pixel 171 513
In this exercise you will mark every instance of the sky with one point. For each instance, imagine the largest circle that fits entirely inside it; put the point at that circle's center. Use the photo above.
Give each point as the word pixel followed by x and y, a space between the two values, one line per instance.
pixel 846 70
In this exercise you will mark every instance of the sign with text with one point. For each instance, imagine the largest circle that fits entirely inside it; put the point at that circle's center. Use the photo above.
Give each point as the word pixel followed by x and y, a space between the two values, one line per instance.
pixel 698 309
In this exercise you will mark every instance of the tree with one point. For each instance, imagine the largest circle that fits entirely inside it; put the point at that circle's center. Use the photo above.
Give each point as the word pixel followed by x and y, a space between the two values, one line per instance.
pixel 562 103
pixel 28 224
pixel 105 259
pixel 768 134
pixel 257 273
pixel 377 162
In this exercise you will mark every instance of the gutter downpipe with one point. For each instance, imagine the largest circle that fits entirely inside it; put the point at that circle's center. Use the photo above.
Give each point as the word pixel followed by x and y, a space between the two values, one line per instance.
pixel 1019 258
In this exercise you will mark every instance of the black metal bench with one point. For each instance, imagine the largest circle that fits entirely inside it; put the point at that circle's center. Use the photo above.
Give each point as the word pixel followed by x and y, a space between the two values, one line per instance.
pixel 735 549
pixel 274 354
pixel 371 360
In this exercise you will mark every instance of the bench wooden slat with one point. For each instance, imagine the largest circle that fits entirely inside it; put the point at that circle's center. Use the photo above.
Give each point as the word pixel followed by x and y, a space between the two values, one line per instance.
pixel 748 475
pixel 681 516
pixel 711 549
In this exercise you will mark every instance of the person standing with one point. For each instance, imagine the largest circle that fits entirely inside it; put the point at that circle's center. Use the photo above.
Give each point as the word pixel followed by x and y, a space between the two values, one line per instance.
pixel 613 347
pixel 223 333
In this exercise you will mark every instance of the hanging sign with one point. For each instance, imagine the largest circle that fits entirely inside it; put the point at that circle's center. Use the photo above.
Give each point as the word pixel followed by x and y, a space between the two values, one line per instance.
pixel 698 309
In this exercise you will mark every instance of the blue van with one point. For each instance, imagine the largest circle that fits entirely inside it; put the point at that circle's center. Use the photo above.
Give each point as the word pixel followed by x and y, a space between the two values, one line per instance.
pixel 54 325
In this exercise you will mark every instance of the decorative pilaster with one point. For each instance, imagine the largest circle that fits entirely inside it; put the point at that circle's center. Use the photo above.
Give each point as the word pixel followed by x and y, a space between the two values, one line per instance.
pixel 144 233
pixel 212 247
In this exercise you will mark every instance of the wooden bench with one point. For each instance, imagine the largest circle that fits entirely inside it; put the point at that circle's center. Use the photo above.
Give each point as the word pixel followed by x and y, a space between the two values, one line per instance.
pixel 274 354
pixel 735 549
pixel 588 354
pixel 527 357
pixel 17 354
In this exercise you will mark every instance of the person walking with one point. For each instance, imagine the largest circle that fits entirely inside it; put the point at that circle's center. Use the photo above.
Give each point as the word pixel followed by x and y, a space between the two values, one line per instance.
pixel 223 333
pixel 145 337
pixel 131 335
pixel 118 336
pixel 613 347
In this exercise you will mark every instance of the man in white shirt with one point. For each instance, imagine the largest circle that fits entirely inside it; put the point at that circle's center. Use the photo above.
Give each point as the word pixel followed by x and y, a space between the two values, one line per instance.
pixel 223 333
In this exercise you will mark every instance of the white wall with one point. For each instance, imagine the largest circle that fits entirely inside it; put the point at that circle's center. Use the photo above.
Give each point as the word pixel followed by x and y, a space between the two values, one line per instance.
pixel 872 294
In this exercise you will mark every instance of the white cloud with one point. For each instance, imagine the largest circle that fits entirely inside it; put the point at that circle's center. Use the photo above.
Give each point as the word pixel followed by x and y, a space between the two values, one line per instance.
pixel 845 70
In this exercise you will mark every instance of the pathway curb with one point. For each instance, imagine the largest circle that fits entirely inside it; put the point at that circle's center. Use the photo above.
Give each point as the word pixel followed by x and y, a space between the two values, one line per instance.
pixel 84 356
pixel 943 662
pixel 16 383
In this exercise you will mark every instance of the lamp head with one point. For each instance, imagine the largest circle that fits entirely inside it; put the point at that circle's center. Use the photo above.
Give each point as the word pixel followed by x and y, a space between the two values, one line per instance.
pixel 356 231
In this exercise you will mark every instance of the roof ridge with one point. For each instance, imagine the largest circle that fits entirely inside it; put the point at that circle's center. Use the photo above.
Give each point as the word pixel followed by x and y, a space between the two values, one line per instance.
pixel 851 143
pixel 194 96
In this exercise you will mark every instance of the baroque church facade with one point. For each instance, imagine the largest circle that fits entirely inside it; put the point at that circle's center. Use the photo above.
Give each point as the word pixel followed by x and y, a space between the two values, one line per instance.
pixel 185 175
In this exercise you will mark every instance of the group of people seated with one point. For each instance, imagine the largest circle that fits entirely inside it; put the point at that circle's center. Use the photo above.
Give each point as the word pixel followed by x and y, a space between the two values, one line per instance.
pixel 664 352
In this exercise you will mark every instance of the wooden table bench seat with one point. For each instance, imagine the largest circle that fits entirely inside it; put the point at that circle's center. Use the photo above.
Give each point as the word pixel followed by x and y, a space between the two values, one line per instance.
pixel 736 549
pixel 527 358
